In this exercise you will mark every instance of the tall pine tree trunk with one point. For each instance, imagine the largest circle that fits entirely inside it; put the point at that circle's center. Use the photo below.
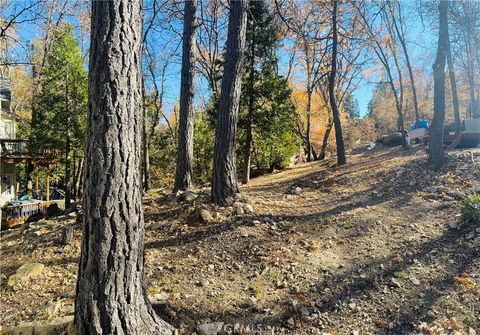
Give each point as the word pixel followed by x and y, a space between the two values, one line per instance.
pixel 224 180
pixel 111 293
pixel 183 171
pixel 436 155
pixel 453 87
pixel 341 156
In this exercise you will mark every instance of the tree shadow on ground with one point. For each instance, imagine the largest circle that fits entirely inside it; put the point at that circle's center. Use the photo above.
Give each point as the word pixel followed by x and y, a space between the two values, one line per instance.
pixel 321 171
pixel 347 284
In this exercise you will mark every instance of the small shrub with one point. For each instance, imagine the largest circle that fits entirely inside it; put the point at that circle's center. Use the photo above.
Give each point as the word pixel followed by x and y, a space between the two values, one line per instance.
pixel 258 290
pixel 471 321
pixel 471 208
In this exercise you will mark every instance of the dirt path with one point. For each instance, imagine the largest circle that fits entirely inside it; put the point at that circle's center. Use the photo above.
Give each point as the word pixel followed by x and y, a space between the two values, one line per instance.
pixel 375 247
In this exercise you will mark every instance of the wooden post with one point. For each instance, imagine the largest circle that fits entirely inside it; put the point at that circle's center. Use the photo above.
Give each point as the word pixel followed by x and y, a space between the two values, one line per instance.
pixel 48 183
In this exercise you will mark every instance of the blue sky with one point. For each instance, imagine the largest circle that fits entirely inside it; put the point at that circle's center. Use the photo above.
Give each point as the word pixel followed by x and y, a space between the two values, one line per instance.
pixel 421 41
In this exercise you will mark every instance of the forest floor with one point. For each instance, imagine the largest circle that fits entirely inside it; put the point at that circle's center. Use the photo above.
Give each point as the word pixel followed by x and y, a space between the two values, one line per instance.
pixel 375 247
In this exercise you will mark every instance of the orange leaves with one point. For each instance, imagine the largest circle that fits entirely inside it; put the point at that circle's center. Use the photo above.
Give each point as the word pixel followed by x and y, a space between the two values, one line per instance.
pixel 385 39
pixel 465 281
pixel 380 323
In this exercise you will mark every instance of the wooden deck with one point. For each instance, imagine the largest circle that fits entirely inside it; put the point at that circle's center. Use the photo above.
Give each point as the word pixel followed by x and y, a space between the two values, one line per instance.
pixel 464 139
pixel 17 151
pixel 17 214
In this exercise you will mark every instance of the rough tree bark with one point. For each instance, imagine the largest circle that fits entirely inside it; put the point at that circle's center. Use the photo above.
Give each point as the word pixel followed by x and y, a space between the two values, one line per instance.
pixel 453 87
pixel 341 157
pixel 183 170
pixel 436 156
pixel 224 179
pixel 111 293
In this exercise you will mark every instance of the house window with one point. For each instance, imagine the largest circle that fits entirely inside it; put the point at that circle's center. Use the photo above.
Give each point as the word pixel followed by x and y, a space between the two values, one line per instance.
pixel 6 185
pixel 6 129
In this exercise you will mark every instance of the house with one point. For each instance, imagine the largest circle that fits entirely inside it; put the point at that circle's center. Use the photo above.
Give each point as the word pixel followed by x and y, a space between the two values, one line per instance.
pixel 7 134
pixel 13 152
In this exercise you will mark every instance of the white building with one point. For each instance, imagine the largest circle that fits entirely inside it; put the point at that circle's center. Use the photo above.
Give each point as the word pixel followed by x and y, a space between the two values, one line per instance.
pixel 7 133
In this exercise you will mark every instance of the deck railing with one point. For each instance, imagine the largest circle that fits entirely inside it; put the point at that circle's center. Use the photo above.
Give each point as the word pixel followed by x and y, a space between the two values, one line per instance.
pixel 18 148
pixel 15 214
pixel 12 147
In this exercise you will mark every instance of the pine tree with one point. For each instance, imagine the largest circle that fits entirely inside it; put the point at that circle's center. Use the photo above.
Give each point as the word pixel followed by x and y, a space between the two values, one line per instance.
pixel 183 171
pixel 61 116
pixel 111 293
pixel 224 176
pixel 266 111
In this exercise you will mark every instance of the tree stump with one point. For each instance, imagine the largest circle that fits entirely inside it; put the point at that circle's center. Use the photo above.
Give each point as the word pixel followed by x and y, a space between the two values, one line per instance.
pixel 67 235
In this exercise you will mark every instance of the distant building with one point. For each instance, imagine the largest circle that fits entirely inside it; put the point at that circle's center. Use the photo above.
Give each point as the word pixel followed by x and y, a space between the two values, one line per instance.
pixel 7 133
pixel 15 151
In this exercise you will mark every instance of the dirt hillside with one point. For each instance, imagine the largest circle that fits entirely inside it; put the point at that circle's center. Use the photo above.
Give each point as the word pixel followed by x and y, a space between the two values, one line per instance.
pixel 375 247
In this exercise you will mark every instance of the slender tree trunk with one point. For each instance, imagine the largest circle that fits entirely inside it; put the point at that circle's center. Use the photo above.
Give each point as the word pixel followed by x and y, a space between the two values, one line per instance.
pixel 251 101
pixel 111 293
pixel 314 153
pixel 471 71
pixel 401 35
pixel 453 86
pixel 326 136
pixel 224 180
pixel 383 58
pixel 183 171
pixel 400 123
pixel 412 83
pixel 247 152
pixel 77 179
pixel 67 147
pixel 145 156
pixel 74 176
pixel 309 124
pixel 80 180
pixel 379 51
pixel 400 83
pixel 471 85
pixel 436 155
pixel 341 156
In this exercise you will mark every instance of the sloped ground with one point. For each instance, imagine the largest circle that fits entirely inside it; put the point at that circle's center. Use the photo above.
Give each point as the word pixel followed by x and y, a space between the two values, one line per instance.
pixel 375 247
